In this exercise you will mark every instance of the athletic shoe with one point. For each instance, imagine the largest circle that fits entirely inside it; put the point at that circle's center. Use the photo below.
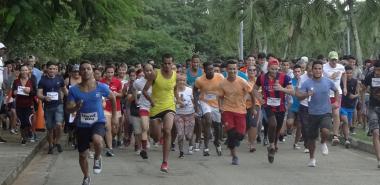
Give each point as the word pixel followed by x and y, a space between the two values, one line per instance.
pixel 347 144
pixel 148 145
pixel 91 154
pixel 219 150
pixel 324 149
pixel 306 151
pixel 258 139
pixel 312 163
pixel 32 139
pixel 13 131
pixel 156 145
pixel 252 149
pixel 196 147
pixel 118 143
pixel 181 156
pixel 206 152
pixel 335 141
pixel 191 150
pixel 164 167
pixel 59 148
pixel 109 153
pixel 266 142
pixel 235 161
pixel 296 146
pixel 86 181
pixel 138 152
pixel 271 153
pixel 23 142
pixel 2 140
pixel 50 151
pixel 97 165
pixel 144 154
pixel 172 147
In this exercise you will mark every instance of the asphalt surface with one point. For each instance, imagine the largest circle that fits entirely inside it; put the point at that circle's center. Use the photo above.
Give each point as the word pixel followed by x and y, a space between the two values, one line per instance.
pixel 341 167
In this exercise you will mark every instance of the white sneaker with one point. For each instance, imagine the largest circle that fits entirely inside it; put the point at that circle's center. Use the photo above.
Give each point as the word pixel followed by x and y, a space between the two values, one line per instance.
pixel 312 163
pixel 324 149
pixel 306 151
pixel 156 145
pixel 191 150
pixel 196 147
pixel 148 145
pixel 97 165
pixel 138 152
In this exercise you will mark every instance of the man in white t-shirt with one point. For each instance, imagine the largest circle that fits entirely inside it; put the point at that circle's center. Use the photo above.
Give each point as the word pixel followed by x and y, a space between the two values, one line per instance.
pixel 335 72
pixel 2 54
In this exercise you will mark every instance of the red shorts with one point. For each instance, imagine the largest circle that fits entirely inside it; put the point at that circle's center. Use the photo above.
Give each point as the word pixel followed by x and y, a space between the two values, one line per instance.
pixel 333 100
pixel 234 120
pixel 143 112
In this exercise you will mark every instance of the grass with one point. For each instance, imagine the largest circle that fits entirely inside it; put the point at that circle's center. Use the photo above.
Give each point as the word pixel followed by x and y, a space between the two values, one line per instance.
pixel 362 135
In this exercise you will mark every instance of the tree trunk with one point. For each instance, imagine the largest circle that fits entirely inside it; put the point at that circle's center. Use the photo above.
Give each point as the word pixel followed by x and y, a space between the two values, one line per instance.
pixel 355 34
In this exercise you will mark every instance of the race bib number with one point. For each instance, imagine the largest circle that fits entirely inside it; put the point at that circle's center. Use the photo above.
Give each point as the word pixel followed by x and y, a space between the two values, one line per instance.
pixel 52 95
pixel 274 102
pixel 210 97
pixel 375 82
pixel 89 118
pixel 20 91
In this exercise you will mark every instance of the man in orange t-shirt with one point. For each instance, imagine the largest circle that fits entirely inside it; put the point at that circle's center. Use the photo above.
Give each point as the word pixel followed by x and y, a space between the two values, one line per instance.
pixel 206 96
pixel 232 91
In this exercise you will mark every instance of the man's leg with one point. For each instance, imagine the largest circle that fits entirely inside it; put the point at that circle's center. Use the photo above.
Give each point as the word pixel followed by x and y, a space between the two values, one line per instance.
pixel 108 138
pixel 167 127
pixel 83 163
pixel 198 132
pixel 336 124
pixel 206 125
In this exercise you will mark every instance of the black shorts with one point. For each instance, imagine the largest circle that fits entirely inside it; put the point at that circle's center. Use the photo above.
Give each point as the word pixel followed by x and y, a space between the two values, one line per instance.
pixel 84 135
pixel 317 122
pixel 25 116
pixel 162 114
pixel 280 116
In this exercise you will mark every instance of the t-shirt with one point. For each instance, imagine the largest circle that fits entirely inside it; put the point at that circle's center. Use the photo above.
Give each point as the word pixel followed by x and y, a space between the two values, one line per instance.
pixel 374 84
pixel 233 94
pixel 138 85
pixel 187 99
pixel 24 100
pixel 52 88
pixel 347 102
pixel 275 100
pixel 302 79
pixel 190 79
pixel 209 88
pixel 248 97
pixel 92 109
pixel 328 71
pixel 319 103
pixel 115 86
pixel 295 103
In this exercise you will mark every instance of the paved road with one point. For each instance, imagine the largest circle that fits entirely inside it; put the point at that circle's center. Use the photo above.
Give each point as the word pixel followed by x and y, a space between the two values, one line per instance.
pixel 340 167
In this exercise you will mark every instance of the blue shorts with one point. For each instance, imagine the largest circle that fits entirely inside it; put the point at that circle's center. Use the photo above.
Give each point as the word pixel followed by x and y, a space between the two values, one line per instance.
pixel 347 112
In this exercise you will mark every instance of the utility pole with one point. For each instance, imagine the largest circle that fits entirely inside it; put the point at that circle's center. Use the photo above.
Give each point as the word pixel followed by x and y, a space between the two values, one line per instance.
pixel 241 39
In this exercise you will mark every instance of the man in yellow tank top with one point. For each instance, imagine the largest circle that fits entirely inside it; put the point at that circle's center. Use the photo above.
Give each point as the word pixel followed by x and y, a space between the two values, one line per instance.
pixel 163 83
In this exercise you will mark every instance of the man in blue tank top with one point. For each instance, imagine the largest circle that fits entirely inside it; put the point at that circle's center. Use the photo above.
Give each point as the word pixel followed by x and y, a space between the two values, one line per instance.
pixel 86 100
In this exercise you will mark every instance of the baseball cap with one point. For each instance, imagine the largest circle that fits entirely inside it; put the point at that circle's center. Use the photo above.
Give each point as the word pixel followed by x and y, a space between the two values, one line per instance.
pixel 333 55
pixel 273 61
pixel 305 59
pixel 2 46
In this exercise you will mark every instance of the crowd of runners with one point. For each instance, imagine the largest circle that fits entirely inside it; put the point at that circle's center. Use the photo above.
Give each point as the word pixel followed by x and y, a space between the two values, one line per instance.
pixel 183 107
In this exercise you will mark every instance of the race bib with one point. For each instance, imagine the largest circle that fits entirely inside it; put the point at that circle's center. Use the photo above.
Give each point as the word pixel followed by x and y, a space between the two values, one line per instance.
pixel 89 118
pixel 72 117
pixel 20 91
pixel 375 82
pixel 273 101
pixel 52 95
pixel 210 97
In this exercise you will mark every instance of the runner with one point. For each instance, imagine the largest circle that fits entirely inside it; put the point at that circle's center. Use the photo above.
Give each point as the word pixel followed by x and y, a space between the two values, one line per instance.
pixel 335 72
pixel 232 92
pixel 49 91
pixel 184 118
pixel 24 91
pixel 274 87
pixel 349 102
pixel 192 73
pixel 372 82
pixel 205 95
pixel 162 101
pixel 86 99
pixel 293 120
pixel 144 107
pixel 116 88
pixel 317 91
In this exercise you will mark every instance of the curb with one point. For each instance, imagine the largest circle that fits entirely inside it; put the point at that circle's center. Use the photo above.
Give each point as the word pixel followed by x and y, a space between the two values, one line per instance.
pixel 361 145
pixel 14 173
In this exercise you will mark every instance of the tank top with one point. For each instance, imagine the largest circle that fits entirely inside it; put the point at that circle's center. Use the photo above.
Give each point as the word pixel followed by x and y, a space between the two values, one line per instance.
pixel 163 93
